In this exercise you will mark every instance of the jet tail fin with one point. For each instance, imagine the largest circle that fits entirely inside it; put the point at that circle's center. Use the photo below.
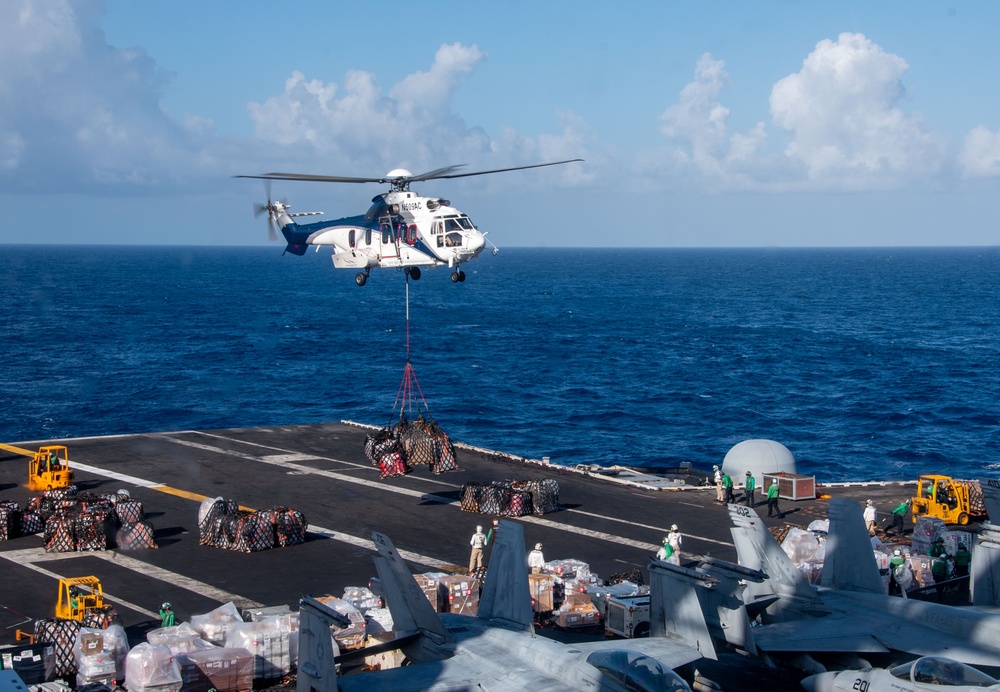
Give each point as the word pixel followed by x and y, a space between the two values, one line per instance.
pixel 317 670
pixel 991 498
pixel 850 562
pixel 674 608
pixel 758 550
pixel 506 597
pixel 410 609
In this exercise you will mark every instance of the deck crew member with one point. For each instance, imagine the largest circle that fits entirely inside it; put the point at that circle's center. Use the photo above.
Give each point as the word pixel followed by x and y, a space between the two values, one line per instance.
pixel 478 542
pixel 666 552
pixel 895 563
pixel 536 560
pixel 898 515
pixel 674 539
pixel 720 492
pixel 748 489
pixel 727 483
pixel 772 498
pixel 939 570
pixel 937 548
pixel 962 559
pixel 871 517
pixel 166 615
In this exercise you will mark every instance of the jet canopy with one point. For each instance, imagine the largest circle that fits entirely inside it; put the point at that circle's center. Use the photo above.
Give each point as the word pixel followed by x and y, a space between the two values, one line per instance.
pixel 938 670
pixel 637 671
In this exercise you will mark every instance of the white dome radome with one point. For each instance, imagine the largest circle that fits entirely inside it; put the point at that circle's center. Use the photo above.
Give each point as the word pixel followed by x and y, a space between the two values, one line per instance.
pixel 758 457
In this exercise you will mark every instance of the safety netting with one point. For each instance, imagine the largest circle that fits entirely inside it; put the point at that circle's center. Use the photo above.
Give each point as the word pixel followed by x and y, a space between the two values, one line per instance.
pixel 222 524
pixel 511 498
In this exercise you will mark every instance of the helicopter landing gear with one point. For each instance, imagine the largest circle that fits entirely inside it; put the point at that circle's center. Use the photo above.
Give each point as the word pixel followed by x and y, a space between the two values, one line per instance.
pixel 457 276
pixel 413 272
pixel 361 278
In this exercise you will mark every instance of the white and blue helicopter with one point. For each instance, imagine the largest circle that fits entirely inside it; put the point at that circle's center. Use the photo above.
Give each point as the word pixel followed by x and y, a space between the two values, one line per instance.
pixel 401 229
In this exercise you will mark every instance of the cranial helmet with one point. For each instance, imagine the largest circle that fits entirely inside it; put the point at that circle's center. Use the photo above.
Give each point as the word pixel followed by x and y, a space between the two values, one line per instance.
pixel 897 551
pixel 748 473
pixel 166 606
pixel 673 527
pixel 479 527
pixel 665 540
pixel 869 503
pixel 715 467
pixel 538 546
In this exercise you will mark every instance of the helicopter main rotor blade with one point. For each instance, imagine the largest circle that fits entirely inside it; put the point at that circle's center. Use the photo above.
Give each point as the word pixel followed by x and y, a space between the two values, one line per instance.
pixel 437 174
pixel 428 176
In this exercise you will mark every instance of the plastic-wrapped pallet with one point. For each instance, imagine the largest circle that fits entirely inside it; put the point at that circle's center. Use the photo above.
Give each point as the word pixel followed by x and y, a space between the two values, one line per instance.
pixel 568 569
pixel 221 669
pixel 802 546
pixel 378 621
pixel 353 636
pixel 62 635
pixel 164 635
pixel 152 668
pixel 268 641
pixel 262 613
pixel 572 616
pixel 361 597
pixel 100 655
pixel 34 663
pixel 214 625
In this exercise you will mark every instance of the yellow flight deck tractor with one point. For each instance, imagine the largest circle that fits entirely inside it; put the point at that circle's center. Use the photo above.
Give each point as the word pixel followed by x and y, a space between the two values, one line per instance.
pixel 49 469
pixel 952 501
pixel 77 595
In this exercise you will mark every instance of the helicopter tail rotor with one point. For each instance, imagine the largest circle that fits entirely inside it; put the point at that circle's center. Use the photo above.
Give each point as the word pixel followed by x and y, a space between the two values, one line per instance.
pixel 271 210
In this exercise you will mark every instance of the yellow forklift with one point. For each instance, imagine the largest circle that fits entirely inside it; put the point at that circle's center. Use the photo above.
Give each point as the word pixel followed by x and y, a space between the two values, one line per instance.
pixel 49 469
pixel 77 595
pixel 945 498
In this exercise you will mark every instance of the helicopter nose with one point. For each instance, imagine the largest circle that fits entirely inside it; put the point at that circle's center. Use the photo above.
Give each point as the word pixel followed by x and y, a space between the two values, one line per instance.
pixel 476 242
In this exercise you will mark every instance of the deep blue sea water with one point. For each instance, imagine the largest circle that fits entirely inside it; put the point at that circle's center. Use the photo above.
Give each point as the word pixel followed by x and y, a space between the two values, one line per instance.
pixel 865 363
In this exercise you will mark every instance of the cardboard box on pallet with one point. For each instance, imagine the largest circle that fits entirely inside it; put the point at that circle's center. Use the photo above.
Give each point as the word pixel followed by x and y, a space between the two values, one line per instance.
pixel 580 615
pixel 458 594
pixel 428 583
pixel 541 586
pixel 229 669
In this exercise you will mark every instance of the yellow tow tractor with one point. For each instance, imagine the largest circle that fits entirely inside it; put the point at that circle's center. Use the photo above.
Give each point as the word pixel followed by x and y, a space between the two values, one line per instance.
pixel 77 595
pixel 947 499
pixel 49 469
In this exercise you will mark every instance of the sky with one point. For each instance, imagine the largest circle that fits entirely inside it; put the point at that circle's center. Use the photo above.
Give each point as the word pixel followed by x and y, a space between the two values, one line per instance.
pixel 769 123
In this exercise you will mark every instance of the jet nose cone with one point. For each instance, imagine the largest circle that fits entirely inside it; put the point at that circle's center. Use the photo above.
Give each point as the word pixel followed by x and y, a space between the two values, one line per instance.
pixel 822 682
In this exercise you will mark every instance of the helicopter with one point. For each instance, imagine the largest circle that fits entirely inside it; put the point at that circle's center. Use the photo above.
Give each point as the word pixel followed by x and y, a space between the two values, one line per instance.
pixel 401 229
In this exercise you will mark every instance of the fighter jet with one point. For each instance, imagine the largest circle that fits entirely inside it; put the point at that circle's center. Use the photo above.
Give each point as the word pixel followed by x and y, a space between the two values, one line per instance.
pixel 498 649
pixel 849 612
pixel 984 573
pixel 927 674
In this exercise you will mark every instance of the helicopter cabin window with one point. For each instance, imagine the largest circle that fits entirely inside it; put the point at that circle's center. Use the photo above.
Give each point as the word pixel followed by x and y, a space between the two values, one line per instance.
pixel 352 238
pixel 368 236
pixel 411 234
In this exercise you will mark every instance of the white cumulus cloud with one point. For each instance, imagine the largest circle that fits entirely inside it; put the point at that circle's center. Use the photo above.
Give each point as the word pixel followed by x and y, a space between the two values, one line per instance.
pixel 980 156
pixel 842 110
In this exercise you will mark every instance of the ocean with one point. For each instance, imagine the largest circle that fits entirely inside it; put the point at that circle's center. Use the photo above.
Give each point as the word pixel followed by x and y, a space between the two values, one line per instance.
pixel 865 363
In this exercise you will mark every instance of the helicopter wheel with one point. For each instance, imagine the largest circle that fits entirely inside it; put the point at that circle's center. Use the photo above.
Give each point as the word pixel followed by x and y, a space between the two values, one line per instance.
pixel 360 278
pixel 461 275
pixel 455 277
pixel 414 273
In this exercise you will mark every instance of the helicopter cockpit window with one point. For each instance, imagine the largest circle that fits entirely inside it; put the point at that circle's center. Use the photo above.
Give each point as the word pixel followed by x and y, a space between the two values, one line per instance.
pixel 453 240
pixel 637 671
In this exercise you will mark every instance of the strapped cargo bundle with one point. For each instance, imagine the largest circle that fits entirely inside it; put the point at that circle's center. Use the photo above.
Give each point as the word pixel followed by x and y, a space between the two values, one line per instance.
pixel 61 634
pixel 511 498
pixel 136 536
pixel 224 525
pixel 10 520
pixel 385 450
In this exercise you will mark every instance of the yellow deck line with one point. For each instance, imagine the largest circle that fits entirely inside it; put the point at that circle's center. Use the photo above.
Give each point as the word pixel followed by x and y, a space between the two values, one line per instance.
pixel 189 495
pixel 18 450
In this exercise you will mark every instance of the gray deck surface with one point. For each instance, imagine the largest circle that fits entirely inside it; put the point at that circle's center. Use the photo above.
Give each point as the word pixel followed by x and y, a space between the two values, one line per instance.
pixel 321 471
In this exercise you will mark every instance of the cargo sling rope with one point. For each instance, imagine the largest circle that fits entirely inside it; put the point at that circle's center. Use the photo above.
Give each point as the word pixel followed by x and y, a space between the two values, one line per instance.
pixel 421 441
